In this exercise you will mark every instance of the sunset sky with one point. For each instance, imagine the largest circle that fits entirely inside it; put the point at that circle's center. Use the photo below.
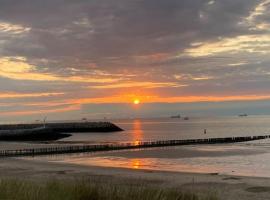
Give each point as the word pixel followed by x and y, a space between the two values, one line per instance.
pixel 68 59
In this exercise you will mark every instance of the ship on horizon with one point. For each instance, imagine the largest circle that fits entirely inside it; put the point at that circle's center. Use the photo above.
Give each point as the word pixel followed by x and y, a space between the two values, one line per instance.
pixel 243 115
pixel 176 116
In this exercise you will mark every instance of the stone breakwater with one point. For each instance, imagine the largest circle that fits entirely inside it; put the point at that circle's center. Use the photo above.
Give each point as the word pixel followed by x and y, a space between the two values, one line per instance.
pixel 51 131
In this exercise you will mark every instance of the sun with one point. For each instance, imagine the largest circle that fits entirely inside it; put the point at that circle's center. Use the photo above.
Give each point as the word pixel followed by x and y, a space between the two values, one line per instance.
pixel 136 101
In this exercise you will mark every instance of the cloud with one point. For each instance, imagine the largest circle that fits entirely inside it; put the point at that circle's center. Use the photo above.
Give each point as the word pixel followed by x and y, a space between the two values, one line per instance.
pixel 237 64
pixel 39 111
pixel 243 43
pixel 103 50
pixel 257 19
pixel 26 95
pixel 13 28
pixel 137 84
pixel 17 68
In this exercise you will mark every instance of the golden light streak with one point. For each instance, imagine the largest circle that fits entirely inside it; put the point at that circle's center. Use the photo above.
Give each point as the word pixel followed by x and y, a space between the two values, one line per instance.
pixel 41 111
pixel 191 99
pixel 138 84
pixel 237 64
pixel 158 99
pixel 149 99
pixel 202 78
pixel 13 28
pixel 75 104
pixel 24 95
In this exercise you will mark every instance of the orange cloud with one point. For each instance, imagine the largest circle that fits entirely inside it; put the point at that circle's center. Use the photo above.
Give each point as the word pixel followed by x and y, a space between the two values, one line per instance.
pixel 25 95
pixel 41 111
pixel 138 84
pixel 210 98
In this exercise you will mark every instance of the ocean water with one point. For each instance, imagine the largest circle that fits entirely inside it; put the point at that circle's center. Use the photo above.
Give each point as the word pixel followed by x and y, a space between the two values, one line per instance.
pixel 170 129
pixel 245 159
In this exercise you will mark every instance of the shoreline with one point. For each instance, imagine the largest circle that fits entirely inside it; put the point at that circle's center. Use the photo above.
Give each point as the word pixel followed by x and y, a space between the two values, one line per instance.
pixel 206 159
pixel 226 186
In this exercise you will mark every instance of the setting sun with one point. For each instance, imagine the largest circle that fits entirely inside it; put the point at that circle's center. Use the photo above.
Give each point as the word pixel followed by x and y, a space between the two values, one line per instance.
pixel 136 101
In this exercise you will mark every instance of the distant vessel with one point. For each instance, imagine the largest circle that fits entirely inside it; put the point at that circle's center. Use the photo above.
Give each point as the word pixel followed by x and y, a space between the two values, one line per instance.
pixel 176 116
pixel 186 118
pixel 243 115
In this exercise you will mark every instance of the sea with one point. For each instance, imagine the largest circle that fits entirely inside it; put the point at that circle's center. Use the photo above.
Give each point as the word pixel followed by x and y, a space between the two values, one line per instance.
pixel 243 159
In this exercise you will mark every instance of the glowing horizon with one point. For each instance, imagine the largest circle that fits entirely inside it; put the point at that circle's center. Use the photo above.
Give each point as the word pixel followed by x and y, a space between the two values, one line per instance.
pixel 93 58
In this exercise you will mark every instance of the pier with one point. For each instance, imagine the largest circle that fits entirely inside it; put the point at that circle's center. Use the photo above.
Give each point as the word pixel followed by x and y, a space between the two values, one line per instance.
pixel 123 146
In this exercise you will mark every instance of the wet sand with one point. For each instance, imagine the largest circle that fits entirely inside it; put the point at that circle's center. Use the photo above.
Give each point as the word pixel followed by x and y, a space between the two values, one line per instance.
pixel 226 187
pixel 235 159
pixel 186 151
pixel 28 145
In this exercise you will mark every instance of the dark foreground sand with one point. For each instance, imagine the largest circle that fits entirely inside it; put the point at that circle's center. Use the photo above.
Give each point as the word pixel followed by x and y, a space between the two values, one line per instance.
pixel 226 187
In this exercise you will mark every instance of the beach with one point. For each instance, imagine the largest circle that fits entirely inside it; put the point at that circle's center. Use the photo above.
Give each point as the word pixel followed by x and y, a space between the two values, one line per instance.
pixel 134 100
pixel 225 187
pixel 240 159
pixel 238 171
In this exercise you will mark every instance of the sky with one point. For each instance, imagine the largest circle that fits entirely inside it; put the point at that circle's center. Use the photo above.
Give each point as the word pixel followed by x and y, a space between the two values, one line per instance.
pixel 69 59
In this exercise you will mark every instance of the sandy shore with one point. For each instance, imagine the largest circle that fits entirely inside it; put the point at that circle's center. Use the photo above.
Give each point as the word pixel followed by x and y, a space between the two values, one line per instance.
pixel 226 187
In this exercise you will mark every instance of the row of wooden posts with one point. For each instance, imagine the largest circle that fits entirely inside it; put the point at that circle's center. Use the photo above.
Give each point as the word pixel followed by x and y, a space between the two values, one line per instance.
pixel 122 146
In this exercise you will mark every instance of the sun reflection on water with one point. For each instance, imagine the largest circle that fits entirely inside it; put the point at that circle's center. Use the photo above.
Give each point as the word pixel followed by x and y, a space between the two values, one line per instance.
pixel 137 133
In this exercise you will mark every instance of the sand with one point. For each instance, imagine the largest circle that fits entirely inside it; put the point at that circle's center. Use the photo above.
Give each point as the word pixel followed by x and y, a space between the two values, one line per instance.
pixel 189 151
pixel 226 187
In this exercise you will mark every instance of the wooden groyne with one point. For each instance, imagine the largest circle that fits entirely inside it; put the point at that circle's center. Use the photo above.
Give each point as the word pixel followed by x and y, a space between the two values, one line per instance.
pixel 122 146
pixel 67 127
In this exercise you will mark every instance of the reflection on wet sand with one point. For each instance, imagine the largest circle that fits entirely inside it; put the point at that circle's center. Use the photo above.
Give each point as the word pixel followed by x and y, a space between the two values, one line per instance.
pixel 230 165
pixel 135 163
pixel 223 159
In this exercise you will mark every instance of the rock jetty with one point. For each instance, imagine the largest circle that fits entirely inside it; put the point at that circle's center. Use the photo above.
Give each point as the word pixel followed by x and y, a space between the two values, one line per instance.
pixel 51 131
pixel 35 134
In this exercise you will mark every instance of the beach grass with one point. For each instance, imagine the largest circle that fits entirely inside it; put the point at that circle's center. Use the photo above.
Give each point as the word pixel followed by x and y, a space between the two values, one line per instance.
pixel 91 190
